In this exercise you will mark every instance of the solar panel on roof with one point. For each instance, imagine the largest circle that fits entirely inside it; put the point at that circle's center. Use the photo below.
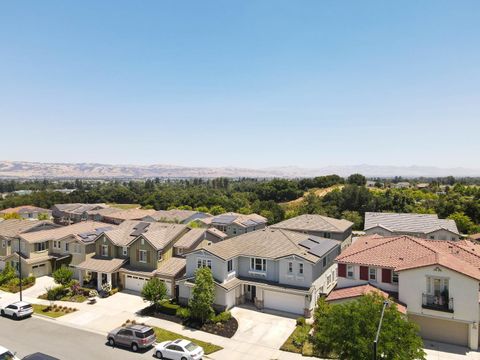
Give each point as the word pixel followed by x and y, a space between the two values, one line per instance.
pixel 224 219
pixel 250 222
pixel 141 226
pixel 102 229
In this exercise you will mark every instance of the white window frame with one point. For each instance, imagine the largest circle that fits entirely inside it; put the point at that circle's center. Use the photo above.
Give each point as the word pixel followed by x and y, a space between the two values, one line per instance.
pixel 125 251
pixel 290 267
pixel 372 274
pixel 104 250
pixel 263 264
pixel 204 262
pixel 142 254
pixel 230 265
pixel 394 275
pixel 300 268
pixel 350 269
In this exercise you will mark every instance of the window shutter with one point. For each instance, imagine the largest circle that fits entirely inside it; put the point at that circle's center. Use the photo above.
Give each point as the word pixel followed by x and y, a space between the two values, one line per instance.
pixel 363 272
pixel 148 256
pixel 387 276
pixel 342 270
pixel 138 255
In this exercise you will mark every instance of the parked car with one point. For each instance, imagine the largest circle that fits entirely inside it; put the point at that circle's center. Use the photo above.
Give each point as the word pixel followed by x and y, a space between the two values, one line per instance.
pixel 179 350
pixel 39 356
pixel 17 310
pixel 6 354
pixel 132 336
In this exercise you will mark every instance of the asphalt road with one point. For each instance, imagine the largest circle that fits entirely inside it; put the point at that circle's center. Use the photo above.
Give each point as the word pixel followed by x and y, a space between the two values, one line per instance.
pixel 37 335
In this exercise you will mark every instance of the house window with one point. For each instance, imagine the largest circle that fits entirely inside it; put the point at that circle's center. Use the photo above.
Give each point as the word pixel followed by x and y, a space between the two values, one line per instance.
pixel 324 261
pixel 372 274
pixel 258 264
pixel 229 265
pixel 3 243
pixel 142 241
pixel 40 246
pixel 159 255
pixel 234 231
pixel 432 237
pixel 350 271
pixel 67 246
pixel 329 279
pixel 394 278
pixel 327 235
pixel 104 250
pixel 142 256
pixel 290 267
pixel 300 268
pixel 204 263
pixel 125 251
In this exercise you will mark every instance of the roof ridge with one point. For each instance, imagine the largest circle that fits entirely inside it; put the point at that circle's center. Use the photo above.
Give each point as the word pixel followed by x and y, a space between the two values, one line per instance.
pixel 390 239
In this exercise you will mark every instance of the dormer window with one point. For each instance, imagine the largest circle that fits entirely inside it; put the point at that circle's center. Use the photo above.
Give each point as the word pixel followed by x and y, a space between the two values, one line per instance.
pixel 104 251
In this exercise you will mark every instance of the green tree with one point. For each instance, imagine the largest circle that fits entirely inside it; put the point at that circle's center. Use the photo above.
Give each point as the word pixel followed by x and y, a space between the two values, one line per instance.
pixel 355 217
pixel 7 274
pixel 43 216
pixel 464 223
pixel 357 179
pixel 217 210
pixel 203 295
pixel 12 215
pixel 63 275
pixel 154 291
pixel 348 330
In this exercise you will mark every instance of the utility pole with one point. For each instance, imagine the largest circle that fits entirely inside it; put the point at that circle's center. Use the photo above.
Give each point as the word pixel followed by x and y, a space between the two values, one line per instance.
pixel 375 342
pixel 20 267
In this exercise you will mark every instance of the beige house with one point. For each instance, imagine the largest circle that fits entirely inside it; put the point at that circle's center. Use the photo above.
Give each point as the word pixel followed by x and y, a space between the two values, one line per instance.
pixel 116 216
pixel 438 281
pixel 28 212
pixel 427 226
pixel 176 216
pixel 234 224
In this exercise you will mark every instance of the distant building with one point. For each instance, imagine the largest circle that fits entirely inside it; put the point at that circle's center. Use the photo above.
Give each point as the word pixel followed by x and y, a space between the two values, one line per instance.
pixel 27 212
pixel 401 185
pixel 427 226
pixel 66 214
pixel 234 224
pixel 176 216
pixel 116 216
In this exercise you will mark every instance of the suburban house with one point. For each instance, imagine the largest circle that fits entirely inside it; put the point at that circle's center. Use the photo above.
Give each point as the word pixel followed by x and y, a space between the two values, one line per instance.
pixel 45 251
pixel 269 268
pixel 438 281
pixel 195 238
pixel 66 214
pixel 176 216
pixel 27 212
pixel 234 224
pixel 319 225
pixel 10 231
pixel 117 216
pixel 134 252
pixel 427 226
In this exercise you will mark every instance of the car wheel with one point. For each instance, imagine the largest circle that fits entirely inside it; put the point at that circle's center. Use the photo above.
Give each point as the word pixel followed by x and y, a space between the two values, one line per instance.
pixel 183 358
pixel 159 355
pixel 134 347
pixel 15 316
pixel 111 342
pixel 3 313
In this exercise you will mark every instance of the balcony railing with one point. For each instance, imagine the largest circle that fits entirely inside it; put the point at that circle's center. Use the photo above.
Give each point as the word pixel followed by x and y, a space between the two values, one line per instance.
pixel 437 302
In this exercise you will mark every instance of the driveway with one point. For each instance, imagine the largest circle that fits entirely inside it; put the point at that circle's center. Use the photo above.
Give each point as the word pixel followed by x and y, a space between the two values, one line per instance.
pixel 441 351
pixel 30 294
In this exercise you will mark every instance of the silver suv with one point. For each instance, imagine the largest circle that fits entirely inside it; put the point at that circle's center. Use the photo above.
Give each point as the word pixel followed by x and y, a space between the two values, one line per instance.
pixel 133 336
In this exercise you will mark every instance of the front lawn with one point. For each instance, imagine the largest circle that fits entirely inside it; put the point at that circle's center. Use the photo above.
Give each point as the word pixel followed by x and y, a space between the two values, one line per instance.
pixel 52 311
pixel 13 285
pixel 298 342
pixel 165 335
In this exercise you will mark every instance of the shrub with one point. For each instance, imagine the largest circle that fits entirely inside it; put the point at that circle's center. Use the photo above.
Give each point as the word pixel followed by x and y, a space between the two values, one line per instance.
pixel 56 293
pixel 7 274
pixel 168 308
pixel 301 321
pixel 301 336
pixel 92 293
pixel 222 317
pixel 63 276
pixel 154 291
pixel 183 313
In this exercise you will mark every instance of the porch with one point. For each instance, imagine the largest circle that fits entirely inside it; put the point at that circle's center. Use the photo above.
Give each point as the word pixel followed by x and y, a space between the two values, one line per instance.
pixel 97 271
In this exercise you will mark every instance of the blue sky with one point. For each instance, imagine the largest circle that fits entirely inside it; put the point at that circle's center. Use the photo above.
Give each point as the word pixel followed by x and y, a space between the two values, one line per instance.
pixel 241 83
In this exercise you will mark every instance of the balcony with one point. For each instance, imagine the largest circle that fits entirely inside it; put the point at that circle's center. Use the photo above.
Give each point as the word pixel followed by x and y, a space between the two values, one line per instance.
pixel 437 302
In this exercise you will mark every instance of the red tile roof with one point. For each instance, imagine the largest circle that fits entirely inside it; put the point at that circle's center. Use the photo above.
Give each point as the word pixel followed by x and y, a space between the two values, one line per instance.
pixel 407 252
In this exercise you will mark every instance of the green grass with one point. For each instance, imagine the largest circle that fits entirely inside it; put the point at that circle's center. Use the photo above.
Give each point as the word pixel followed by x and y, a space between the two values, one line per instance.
pixel 125 206
pixel 289 344
pixel 165 335
pixel 44 310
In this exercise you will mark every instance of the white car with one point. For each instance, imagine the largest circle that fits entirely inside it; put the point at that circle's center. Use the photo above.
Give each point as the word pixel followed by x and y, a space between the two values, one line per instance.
pixel 5 354
pixel 17 310
pixel 178 350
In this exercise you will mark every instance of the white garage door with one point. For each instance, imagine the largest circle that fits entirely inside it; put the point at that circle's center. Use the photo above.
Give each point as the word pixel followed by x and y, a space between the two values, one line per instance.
pixel 134 283
pixel 284 302
pixel 39 270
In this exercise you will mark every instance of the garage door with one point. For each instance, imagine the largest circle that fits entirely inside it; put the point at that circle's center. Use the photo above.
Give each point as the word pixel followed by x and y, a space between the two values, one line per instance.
pixel 134 283
pixel 39 270
pixel 284 302
pixel 452 332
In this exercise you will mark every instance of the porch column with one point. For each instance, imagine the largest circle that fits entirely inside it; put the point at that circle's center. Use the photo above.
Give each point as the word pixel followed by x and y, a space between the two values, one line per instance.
pixel 109 279
pixel 80 277
pixel 99 280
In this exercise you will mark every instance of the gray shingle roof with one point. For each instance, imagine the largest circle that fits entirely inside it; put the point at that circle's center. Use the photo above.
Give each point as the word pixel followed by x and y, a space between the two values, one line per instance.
pixel 15 227
pixel 409 223
pixel 314 222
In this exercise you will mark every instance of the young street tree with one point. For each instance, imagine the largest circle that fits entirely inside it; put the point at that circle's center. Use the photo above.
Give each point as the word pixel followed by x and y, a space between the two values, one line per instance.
pixel 203 295
pixel 348 331
pixel 154 291
pixel 63 276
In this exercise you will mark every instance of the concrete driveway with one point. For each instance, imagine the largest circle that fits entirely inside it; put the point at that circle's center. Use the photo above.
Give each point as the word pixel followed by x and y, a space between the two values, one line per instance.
pixel 441 351
pixel 266 329
pixel 30 294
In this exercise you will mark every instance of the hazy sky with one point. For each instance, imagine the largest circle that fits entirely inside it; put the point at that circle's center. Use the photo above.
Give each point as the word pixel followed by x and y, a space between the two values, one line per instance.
pixel 245 83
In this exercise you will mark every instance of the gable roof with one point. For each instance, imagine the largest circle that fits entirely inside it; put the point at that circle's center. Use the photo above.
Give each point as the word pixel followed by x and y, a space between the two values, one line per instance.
pixel 174 215
pixel 85 231
pixel 313 222
pixel 406 252
pixel 129 214
pixel 190 238
pixel 77 208
pixel 15 227
pixel 241 220
pixel 409 223
pixel 270 243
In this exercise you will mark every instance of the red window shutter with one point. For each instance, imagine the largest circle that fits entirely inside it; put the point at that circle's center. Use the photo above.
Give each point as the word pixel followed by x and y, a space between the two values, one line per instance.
pixel 363 272
pixel 387 276
pixel 342 270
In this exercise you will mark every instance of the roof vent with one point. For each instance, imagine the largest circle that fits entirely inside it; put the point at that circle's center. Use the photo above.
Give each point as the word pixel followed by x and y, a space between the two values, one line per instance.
pixel 400 258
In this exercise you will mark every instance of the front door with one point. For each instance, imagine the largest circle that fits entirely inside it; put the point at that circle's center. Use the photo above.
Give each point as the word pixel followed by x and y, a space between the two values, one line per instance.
pixel 250 293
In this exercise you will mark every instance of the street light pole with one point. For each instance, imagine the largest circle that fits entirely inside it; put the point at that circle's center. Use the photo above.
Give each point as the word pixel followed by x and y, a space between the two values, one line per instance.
pixel 375 342
pixel 20 267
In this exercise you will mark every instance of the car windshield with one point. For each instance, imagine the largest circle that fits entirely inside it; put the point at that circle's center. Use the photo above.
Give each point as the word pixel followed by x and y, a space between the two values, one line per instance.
pixel 7 356
pixel 144 334
pixel 26 307
pixel 191 346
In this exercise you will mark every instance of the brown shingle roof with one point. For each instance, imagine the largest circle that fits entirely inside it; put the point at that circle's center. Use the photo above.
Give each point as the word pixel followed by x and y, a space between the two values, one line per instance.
pixel 171 267
pixel 15 227
pixel 190 238
pixel 312 222
pixel 101 264
pixel 174 215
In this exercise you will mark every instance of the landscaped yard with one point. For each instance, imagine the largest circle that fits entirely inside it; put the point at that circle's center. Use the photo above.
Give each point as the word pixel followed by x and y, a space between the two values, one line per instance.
pixel 164 335
pixel 53 312
pixel 298 342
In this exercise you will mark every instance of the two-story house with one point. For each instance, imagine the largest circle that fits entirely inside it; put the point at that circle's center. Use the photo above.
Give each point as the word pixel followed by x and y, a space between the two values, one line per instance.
pixel 427 226
pixel 45 251
pixel 66 214
pixel 197 237
pixel 438 281
pixel 133 253
pixel 10 230
pixel 176 216
pixel 270 268
pixel 28 212
pixel 319 225
pixel 234 224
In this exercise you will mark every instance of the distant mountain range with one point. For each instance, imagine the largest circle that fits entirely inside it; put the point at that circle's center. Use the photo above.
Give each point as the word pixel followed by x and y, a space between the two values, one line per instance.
pixel 30 170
